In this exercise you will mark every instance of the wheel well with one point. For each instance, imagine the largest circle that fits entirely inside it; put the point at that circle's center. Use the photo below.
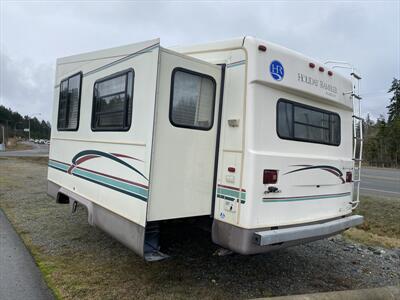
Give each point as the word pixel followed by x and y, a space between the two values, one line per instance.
pixel 62 198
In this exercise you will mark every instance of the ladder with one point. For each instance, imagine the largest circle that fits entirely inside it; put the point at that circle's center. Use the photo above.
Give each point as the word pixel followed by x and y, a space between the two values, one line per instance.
pixel 357 125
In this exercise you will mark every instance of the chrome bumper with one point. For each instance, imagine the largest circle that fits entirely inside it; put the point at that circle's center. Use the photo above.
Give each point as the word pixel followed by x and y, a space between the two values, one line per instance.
pixel 269 237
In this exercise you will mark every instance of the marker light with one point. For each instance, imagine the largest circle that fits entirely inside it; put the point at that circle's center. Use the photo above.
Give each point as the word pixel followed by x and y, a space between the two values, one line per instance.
pixel 262 48
pixel 312 65
pixel 231 169
pixel 270 176
pixel 321 69
pixel 349 176
pixel 330 73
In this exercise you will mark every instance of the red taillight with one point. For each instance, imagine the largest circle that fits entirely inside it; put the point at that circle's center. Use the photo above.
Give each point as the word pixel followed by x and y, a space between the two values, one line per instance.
pixel 270 176
pixel 349 176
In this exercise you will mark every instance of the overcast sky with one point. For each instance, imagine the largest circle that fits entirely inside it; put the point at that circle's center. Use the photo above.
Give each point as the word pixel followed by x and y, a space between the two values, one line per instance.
pixel 34 33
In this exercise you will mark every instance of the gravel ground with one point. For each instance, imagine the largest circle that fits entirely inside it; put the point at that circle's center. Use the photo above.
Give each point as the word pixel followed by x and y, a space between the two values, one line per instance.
pixel 79 261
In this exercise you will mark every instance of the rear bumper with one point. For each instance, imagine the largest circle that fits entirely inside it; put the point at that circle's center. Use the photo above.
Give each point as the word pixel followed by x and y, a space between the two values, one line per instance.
pixel 270 237
pixel 259 240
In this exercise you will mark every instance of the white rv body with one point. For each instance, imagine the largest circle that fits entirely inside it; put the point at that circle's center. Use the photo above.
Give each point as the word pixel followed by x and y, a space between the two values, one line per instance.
pixel 157 170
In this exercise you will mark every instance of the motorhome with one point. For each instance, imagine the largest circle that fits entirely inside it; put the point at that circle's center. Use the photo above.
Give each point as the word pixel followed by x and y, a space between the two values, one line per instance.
pixel 262 141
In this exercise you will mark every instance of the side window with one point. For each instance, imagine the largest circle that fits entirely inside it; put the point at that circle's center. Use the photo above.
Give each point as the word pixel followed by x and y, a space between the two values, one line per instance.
pixel 305 123
pixel 112 102
pixel 192 100
pixel 69 103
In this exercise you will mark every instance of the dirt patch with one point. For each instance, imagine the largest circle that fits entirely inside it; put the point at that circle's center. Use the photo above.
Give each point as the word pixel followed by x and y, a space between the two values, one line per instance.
pixel 381 226
pixel 81 262
pixel 18 147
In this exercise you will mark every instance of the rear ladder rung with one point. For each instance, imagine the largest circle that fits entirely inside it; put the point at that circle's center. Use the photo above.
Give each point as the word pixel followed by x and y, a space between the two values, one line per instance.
pixel 359 118
pixel 358 77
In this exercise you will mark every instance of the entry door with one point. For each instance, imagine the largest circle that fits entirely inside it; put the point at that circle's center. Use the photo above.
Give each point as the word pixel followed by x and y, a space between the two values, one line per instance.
pixel 186 121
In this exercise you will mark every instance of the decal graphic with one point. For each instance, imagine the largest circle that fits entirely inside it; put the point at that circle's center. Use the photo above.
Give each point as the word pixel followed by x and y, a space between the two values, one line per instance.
pixel 231 193
pixel 90 154
pixel 276 70
pixel 304 198
pixel 128 187
pixel 330 169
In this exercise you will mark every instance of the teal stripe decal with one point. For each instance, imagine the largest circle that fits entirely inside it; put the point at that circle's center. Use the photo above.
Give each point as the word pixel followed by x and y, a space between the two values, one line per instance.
pixel 58 166
pixel 231 194
pixel 305 198
pixel 120 186
pixel 229 198
pixel 112 182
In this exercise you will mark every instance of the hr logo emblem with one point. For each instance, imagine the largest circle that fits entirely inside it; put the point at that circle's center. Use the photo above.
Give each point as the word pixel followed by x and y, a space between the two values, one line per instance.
pixel 276 70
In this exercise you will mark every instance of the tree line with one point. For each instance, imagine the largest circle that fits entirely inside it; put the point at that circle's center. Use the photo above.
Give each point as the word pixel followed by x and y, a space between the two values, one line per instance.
pixel 14 125
pixel 382 137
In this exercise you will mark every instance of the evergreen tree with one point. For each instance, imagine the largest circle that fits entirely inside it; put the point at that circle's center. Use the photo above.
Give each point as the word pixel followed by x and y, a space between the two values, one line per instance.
pixel 394 106
pixel 15 123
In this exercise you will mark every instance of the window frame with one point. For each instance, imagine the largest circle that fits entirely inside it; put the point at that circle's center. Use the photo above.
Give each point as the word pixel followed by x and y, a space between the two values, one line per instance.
pixel 293 103
pixel 109 77
pixel 180 69
pixel 79 101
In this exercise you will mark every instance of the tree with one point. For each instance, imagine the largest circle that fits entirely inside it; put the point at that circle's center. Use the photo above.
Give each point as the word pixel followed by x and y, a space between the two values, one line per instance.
pixel 14 124
pixel 394 106
pixel 382 139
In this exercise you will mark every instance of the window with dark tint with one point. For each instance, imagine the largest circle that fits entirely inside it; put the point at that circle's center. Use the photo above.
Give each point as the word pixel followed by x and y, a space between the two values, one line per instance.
pixel 192 100
pixel 305 123
pixel 69 102
pixel 112 102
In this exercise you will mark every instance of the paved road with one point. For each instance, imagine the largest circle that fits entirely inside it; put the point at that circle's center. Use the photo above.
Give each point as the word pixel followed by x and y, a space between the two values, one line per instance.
pixel 37 151
pixel 380 182
pixel 20 278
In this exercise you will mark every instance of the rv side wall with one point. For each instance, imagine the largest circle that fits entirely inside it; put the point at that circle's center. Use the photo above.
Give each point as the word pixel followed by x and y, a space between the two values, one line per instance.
pixel 108 166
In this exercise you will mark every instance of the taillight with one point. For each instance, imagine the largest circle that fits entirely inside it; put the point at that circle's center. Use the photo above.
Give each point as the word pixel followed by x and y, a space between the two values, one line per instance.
pixel 270 176
pixel 349 176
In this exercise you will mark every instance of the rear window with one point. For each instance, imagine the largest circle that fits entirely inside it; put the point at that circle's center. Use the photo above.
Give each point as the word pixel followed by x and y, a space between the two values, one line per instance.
pixel 305 123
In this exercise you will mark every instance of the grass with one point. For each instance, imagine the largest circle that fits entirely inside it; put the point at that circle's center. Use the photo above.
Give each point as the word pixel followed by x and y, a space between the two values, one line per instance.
pixel 81 262
pixel 381 225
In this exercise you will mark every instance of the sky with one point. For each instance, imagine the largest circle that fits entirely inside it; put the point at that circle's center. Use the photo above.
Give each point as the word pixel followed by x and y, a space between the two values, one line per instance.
pixel 33 34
